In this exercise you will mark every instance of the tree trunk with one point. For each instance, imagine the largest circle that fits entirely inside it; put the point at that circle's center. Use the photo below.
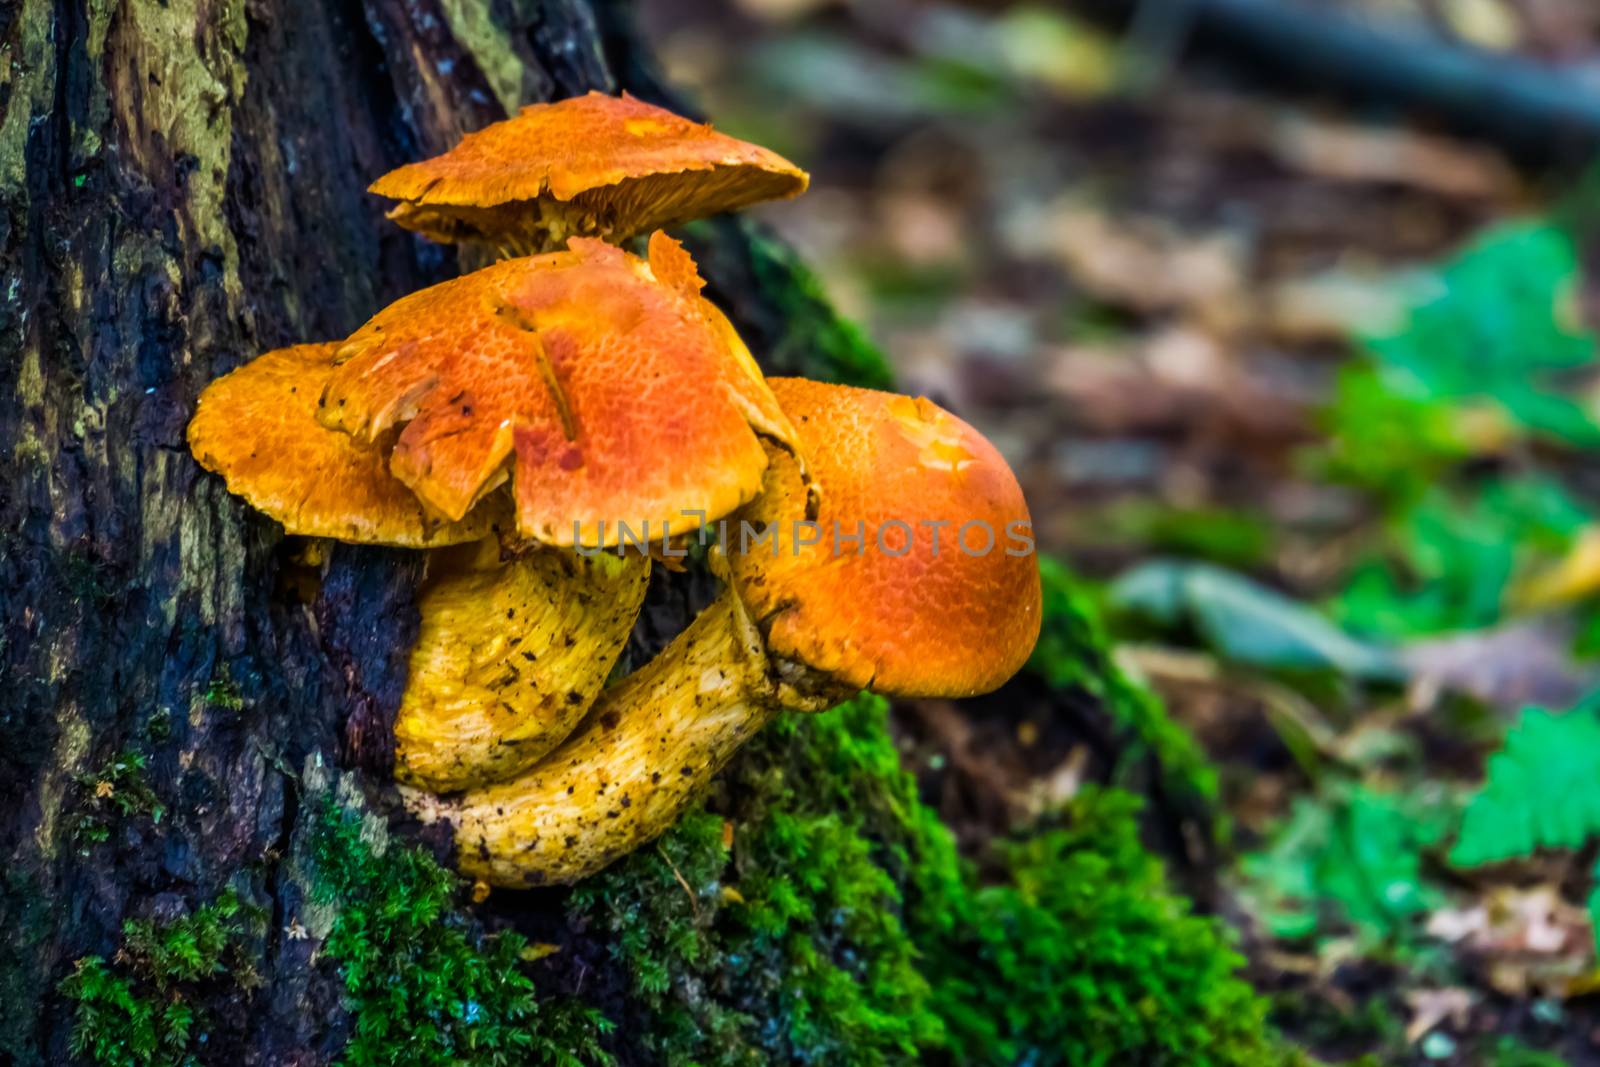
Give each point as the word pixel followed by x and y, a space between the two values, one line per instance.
pixel 182 186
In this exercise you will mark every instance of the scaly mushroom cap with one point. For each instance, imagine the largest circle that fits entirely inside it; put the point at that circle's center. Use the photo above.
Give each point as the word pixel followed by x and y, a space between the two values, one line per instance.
pixel 901 617
pixel 257 427
pixel 609 388
pixel 592 165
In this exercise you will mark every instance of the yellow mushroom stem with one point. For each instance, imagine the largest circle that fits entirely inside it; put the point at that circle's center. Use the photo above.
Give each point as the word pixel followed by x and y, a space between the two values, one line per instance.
pixel 509 657
pixel 648 747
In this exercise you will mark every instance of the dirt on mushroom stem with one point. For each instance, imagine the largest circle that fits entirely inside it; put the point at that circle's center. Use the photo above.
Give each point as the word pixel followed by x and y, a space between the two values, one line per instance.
pixel 510 655
pixel 647 748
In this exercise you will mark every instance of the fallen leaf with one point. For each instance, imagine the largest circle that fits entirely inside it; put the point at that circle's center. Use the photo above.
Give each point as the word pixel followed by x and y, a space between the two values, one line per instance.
pixel 1141 263
pixel 1486 23
pixel 1043 45
pixel 538 950
pixel 1531 940
pixel 1246 622
pixel 1430 1007
pixel 782 10
pixel 1506 667
pixel 1361 153
pixel 1574 577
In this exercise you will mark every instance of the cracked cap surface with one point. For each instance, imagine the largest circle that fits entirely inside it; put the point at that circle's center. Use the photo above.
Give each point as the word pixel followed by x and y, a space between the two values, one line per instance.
pixel 257 427
pixel 908 615
pixel 603 385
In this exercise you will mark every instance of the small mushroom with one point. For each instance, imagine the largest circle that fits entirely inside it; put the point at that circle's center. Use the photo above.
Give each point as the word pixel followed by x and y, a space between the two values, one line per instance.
pixel 593 165
pixel 615 397
pixel 509 657
pixel 942 599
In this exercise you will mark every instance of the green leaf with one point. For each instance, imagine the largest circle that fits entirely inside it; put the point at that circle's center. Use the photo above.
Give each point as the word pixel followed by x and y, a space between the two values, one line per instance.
pixel 1246 622
pixel 1355 852
pixel 1452 556
pixel 1498 326
pixel 1542 790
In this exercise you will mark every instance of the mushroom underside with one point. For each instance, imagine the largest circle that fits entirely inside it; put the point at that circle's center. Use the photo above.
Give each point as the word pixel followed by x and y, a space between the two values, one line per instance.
pixel 614 213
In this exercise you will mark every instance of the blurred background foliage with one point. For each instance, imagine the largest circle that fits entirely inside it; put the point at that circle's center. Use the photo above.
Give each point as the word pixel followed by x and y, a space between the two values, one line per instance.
pixel 1298 369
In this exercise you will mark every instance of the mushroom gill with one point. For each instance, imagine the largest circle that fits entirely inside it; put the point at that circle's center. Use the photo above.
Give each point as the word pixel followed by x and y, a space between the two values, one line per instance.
pixel 590 166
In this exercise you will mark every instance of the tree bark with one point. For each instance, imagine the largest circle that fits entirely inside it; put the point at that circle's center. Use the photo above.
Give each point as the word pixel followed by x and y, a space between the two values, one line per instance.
pixel 182 186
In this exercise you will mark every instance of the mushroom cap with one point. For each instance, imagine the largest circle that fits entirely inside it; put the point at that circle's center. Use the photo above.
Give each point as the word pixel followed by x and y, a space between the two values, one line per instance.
pixel 606 386
pixel 907 616
pixel 257 427
pixel 623 166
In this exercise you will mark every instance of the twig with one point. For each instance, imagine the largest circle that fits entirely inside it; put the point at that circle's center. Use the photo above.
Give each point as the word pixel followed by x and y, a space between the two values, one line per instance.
pixel 1537 111
pixel 694 904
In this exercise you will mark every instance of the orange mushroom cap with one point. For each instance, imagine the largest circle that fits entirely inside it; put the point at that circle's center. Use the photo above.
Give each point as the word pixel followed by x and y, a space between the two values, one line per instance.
pixel 620 165
pixel 257 427
pixel 907 615
pixel 611 390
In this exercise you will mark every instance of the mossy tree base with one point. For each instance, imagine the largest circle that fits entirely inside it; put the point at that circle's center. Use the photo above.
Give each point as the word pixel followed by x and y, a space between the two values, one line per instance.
pixel 196 724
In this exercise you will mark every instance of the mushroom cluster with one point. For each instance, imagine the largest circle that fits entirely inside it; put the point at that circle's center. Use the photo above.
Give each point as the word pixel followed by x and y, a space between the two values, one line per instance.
pixel 546 426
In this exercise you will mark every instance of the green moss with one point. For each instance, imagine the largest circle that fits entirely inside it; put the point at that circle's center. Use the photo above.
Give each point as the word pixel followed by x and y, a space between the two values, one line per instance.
pixel 117 1025
pixel 222 692
pixel 140 1010
pixel 1074 652
pixel 796 954
pixel 817 341
pixel 425 987
pixel 1081 956
pixel 842 927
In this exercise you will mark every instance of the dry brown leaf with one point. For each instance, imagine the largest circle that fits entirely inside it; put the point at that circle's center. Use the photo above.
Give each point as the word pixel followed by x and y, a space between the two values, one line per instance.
pixel 1178 377
pixel 1331 306
pixel 1430 1007
pixel 1353 153
pixel 1050 792
pixel 1142 263
pixel 782 10
pixel 1532 940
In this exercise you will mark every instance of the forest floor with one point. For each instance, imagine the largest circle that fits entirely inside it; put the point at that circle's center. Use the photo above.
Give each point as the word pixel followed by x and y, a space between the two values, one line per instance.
pixel 1312 397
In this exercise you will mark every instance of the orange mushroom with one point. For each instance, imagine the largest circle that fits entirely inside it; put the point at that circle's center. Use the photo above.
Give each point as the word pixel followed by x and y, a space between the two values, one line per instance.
pixel 257 427
pixel 618 401
pixel 509 654
pixel 593 165
pixel 916 579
